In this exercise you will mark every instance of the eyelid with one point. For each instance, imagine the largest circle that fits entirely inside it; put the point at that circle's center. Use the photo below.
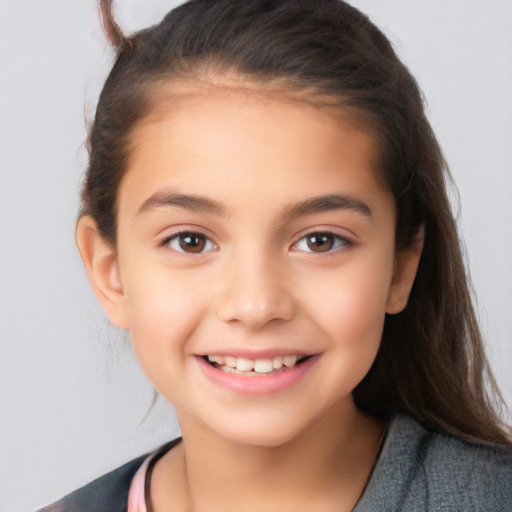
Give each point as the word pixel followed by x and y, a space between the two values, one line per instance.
pixel 346 241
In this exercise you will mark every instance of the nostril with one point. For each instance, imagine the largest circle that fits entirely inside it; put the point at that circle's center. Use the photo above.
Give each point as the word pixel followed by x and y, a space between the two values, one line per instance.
pixel 256 314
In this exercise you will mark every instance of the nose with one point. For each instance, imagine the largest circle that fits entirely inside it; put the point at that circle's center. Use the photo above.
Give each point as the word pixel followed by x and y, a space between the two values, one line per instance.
pixel 254 294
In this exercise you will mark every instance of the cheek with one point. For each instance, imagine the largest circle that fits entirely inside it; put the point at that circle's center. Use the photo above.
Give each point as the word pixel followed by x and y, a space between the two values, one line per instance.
pixel 355 297
pixel 159 330
pixel 163 313
pixel 361 303
pixel 353 323
pixel 350 312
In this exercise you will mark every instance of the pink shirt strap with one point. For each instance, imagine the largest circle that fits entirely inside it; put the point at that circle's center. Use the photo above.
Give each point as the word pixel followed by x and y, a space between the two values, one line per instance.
pixel 140 485
pixel 136 495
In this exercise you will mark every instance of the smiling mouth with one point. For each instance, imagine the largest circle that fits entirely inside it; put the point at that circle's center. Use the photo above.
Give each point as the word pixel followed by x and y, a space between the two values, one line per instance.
pixel 253 367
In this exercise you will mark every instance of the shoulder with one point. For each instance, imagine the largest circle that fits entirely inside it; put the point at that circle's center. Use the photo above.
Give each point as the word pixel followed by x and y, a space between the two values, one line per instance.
pixel 444 452
pixel 459 458
pixel 108 493
pixel 436 471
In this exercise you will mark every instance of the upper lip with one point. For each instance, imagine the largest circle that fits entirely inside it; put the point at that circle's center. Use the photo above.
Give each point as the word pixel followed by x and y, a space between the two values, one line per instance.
pixel 256 353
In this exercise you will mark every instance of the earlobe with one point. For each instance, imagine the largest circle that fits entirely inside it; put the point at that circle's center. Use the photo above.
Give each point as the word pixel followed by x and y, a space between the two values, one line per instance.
pixel 102 266
pixel 406 266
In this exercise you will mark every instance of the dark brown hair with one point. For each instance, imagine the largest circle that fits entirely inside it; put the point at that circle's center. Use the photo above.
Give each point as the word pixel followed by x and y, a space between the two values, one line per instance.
pixel 431 364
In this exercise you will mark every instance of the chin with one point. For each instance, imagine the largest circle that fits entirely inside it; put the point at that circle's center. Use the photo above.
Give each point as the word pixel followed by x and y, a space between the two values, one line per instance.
pixel 262 439
pixel 268 434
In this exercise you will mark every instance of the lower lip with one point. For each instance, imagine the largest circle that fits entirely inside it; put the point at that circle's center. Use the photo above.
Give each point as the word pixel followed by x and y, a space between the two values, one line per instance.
pixel 257 384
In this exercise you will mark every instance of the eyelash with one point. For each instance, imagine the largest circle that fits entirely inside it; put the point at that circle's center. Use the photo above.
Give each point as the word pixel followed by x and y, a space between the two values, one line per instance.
pixel 338 242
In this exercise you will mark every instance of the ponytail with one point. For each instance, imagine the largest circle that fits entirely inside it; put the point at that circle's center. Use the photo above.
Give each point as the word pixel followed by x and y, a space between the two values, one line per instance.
pixel 111 29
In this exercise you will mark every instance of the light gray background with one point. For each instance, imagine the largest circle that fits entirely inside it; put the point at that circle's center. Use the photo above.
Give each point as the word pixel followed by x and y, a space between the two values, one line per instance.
pixel 72 399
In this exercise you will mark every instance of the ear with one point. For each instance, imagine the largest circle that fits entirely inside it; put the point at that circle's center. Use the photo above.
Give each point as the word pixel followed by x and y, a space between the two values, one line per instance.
pixel 406 266
pixel 102 266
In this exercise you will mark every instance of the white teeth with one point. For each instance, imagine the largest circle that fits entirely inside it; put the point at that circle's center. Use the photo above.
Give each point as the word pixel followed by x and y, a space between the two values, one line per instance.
pixel 277 362
pixel 229 361
pixel 289 361
pixel 245 365
pixel 263 365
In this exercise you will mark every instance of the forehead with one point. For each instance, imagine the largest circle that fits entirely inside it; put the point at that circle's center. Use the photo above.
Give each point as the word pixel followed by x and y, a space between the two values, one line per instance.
pixel 212 140
pixel 217 88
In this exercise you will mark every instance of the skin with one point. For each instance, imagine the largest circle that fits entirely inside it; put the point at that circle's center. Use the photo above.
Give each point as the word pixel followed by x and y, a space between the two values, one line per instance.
pixel 256 285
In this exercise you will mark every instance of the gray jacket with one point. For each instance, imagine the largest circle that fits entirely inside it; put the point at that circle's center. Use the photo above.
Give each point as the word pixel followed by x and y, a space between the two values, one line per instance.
pixel 417 470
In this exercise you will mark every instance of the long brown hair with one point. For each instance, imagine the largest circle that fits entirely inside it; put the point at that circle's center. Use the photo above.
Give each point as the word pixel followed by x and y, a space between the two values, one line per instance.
pixel 431 364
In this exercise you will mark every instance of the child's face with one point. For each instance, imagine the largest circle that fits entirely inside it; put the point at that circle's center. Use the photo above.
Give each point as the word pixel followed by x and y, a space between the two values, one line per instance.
pixel 287 247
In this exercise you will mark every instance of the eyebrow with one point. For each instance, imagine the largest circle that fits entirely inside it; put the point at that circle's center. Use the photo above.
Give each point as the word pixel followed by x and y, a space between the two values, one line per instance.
pixel 190 202
pixel 309 206
pixel 327 203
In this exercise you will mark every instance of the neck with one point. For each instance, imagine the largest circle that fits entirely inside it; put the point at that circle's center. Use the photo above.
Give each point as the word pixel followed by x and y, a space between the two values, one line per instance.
pixel 325 467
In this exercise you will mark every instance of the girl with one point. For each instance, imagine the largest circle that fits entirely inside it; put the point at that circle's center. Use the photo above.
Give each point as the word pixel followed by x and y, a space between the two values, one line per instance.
pixel 265 212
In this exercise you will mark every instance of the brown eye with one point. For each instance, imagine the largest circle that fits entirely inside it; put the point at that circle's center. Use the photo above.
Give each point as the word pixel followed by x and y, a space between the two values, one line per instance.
pixel 320 242
pixel 191 243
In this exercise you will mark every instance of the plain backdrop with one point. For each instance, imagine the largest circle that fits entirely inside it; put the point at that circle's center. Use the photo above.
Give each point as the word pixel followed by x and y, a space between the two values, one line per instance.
pixel 72 399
